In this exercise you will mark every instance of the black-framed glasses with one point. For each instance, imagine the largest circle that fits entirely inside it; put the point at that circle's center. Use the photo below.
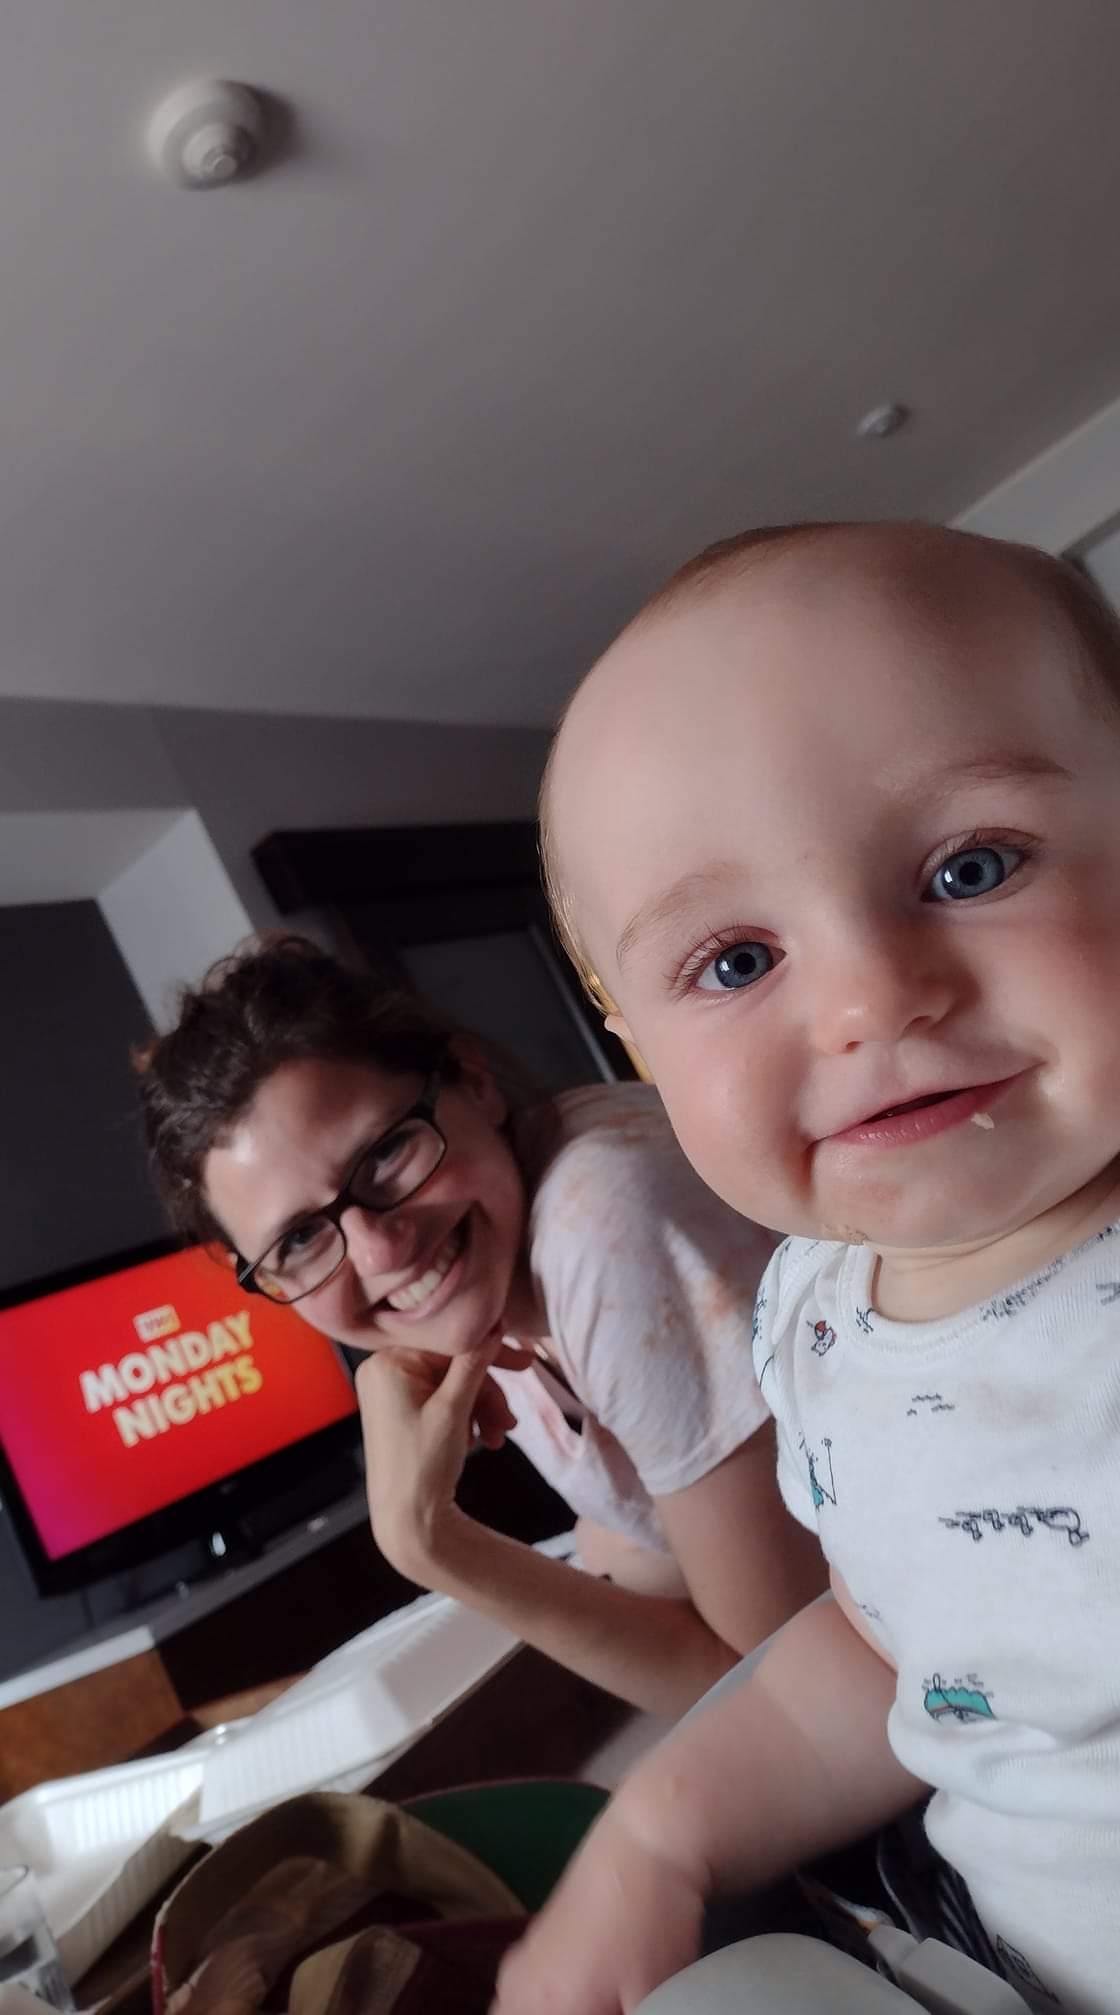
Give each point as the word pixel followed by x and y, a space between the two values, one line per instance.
pixel 386 1174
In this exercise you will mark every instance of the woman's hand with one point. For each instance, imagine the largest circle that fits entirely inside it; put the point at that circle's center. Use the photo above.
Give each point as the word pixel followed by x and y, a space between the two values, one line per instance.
pixel 421 1415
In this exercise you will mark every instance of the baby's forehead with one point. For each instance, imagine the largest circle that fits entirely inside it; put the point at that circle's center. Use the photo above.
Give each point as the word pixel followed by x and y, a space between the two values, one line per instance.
pixel 805 669
pixel 785 623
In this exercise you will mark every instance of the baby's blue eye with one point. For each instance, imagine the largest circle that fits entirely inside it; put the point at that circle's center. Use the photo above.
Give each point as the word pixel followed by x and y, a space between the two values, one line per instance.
pixel 739 966
pixel 975 871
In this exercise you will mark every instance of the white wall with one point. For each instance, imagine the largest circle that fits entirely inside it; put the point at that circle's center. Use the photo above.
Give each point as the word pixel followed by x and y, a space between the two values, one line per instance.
pixel 172 912
pixel 1060 500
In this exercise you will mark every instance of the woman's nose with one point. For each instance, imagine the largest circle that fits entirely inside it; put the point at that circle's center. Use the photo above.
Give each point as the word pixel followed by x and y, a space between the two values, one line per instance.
pixel 887 986
pixel 376 1242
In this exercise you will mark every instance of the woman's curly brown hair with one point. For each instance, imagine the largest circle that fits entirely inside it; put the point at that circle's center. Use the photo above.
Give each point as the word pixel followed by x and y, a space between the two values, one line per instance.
pixel 271 1001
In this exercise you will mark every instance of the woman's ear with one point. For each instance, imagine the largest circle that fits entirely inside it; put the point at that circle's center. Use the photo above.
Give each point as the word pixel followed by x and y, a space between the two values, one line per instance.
pixel 477 1079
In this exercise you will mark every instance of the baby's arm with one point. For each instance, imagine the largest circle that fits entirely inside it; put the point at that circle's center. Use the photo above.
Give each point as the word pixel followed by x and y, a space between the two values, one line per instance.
pixel 794 1763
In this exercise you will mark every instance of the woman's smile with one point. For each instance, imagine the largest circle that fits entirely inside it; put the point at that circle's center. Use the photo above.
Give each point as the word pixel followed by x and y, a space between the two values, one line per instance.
pixel 419 1296
pixel 439 1268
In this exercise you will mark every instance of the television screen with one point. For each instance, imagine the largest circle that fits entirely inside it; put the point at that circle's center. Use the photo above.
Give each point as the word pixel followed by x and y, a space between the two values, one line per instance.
pixel 126 1395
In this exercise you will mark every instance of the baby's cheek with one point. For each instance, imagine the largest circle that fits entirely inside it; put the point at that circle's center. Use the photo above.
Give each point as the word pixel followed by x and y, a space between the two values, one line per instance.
pixel 733 1136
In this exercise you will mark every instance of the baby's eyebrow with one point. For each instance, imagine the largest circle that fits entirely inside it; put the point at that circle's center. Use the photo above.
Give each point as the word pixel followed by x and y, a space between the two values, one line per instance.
pixel 660 911
pixel 1010 768
pixel 664 908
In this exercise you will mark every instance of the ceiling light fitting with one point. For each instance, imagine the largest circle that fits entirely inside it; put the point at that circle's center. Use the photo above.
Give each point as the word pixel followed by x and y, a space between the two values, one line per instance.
pixel 207 133
pixel 883 421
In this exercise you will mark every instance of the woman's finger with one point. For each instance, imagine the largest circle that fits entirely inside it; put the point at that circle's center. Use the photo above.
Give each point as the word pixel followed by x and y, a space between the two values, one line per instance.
pixel 458 1390
pixel 493 1416
pixel 511 1356
pixel 393 1389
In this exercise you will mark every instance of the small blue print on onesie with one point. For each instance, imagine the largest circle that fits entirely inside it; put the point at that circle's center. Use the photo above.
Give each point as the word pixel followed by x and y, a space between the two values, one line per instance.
pixel 965 1700
pixel 822 1492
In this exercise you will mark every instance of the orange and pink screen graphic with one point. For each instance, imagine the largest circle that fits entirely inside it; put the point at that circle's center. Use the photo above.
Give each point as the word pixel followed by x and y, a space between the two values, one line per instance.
pixel 127 1393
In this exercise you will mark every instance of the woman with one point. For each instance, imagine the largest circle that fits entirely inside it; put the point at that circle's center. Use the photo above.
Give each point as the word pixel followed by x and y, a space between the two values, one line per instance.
pixel 558 1274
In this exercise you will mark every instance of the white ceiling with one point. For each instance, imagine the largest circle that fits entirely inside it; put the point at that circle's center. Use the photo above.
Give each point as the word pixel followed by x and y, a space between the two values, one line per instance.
pixel 545 294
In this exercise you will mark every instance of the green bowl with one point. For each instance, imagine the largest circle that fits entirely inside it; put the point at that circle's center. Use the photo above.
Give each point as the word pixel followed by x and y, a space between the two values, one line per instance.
pixel 526 1831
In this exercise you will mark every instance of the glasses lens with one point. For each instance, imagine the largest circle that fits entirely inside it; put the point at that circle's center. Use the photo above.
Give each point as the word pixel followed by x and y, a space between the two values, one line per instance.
pixel 301 1261
pixel 397 1165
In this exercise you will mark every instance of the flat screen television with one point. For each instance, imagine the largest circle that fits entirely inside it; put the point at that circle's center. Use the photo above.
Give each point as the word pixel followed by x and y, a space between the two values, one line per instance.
pixel 146 1401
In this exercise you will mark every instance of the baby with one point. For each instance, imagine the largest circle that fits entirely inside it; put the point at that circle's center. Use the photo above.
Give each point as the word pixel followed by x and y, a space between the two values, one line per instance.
pixel 836 824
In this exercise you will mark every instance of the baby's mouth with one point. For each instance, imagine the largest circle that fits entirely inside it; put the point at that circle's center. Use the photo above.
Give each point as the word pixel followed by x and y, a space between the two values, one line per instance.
pixel 413 1297
pixel 910 1105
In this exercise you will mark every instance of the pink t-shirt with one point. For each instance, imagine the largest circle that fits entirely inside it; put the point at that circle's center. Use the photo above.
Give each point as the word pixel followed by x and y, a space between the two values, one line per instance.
pixel 648 1281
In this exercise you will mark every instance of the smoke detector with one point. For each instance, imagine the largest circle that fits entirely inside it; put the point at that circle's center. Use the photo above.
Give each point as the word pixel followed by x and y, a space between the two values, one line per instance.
pixel 207 133
pixel 883 421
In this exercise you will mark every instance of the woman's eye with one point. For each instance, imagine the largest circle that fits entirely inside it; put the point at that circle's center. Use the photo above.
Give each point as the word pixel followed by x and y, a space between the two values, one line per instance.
pixel 384 1156
pixel 301 1237
pixel 736 966
pixel 975 871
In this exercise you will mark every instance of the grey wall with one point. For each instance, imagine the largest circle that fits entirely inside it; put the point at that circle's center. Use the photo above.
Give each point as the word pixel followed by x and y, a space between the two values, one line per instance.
pixel 72 1172
pixel 73 1185
pixel 58 755
pixel 251 774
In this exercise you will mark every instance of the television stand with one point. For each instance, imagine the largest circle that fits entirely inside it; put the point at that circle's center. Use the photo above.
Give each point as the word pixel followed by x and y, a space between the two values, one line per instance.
pixel 259 1527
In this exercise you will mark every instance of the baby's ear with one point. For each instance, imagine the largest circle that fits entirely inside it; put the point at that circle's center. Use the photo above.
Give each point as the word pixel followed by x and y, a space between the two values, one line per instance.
pixel 617 1026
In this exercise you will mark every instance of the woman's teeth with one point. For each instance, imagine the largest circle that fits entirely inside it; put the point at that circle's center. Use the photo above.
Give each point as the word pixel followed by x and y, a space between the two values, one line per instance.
pixel 417 1292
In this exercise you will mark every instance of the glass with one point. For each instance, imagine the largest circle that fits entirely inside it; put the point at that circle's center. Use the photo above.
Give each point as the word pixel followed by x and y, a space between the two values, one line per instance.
pixel 310 1252
pixel 28 1954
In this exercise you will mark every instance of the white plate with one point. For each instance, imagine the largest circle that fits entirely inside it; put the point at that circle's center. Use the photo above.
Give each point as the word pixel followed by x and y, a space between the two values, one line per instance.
pixel 99 1845
pixel 368 1700
pixel 102 1844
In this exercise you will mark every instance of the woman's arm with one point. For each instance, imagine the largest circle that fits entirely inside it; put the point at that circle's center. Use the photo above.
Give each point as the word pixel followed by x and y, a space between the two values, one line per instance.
pixel 656 1651
pixel 747 1564
pixel 737 1555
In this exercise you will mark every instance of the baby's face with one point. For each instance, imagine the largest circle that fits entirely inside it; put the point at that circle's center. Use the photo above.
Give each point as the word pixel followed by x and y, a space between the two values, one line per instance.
pixel 839 843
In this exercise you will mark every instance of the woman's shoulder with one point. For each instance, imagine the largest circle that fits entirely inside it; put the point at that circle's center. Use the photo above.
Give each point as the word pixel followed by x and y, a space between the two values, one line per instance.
pixel 618 1179
pixel 619 1133
pixel 622 1113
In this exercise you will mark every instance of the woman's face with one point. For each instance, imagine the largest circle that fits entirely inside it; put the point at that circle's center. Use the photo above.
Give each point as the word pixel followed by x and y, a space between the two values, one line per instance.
pixel 437 1272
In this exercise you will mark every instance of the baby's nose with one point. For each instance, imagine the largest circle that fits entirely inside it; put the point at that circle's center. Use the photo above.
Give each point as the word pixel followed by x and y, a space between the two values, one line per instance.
pixel 883 992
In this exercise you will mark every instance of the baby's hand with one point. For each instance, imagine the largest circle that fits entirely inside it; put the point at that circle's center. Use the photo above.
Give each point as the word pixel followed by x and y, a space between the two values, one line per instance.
pixel 622 1920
